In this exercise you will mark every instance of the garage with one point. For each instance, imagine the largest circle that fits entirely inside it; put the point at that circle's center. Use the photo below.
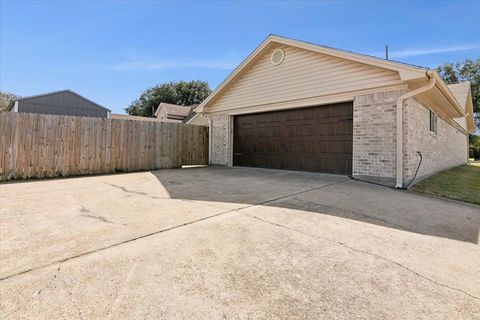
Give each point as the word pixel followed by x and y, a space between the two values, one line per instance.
pixel 317 139
pixel 288 105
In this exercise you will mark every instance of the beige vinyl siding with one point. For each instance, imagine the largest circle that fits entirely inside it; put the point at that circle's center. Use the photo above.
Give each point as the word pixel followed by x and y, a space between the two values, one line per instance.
pixel 303 74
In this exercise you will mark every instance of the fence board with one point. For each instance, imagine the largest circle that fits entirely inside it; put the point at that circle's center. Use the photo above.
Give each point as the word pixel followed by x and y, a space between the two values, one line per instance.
pixel 36 146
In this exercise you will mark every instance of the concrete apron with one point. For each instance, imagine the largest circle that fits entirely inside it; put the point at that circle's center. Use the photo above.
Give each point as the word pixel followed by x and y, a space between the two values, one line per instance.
pixel 240 243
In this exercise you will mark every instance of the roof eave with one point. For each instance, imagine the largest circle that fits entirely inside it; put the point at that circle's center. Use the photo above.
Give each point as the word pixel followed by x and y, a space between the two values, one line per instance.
pixel 406 72
pixel 158 109
pixel 176 115
pixel 442 86
pixel 191 119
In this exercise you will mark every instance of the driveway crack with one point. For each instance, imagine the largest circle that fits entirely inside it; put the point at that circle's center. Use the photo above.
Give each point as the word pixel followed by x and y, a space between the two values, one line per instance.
pixel 87 213
pixel 100 218
pixel 162 230
pixel 364 252
pixel 121 243
pixel 132 191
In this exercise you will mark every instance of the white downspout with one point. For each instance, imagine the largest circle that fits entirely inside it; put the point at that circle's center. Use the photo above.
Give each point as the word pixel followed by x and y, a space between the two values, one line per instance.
pixel 400 100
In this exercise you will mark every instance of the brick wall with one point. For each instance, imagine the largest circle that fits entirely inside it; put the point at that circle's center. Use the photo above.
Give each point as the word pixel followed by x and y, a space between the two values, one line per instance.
pixel 445 149
pixel 220 139
pixel 374 134
pixel 374 139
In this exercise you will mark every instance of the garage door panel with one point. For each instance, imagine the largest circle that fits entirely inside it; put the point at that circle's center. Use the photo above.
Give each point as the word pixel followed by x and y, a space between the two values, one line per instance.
pixel 291 115
pixel 299 130
pixel 268 131
pixel 309 139
pixel 336 147
pixel 299 147
pixel 268 147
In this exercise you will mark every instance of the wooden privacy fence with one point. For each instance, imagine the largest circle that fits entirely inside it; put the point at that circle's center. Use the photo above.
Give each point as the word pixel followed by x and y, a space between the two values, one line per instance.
pixel 36 145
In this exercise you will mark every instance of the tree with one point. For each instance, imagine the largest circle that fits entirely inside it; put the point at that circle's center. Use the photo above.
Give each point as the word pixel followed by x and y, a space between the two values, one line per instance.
pixel 475 141
pixel 182 93
pixel 5 98
pixel 467 70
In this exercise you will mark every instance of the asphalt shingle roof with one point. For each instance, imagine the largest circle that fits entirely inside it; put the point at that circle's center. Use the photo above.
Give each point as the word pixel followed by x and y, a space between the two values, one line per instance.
pixel 460 92
pixel 173 109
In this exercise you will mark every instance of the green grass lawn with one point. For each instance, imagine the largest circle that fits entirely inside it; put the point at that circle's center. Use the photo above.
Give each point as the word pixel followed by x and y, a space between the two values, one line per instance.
pixel 461 183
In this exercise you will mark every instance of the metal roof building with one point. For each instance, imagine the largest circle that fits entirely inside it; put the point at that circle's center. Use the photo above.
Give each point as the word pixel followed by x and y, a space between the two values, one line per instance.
pixel 65 103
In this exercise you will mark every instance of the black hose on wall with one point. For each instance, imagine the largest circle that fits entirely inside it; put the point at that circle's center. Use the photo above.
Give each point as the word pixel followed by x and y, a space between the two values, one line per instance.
pixel 416 171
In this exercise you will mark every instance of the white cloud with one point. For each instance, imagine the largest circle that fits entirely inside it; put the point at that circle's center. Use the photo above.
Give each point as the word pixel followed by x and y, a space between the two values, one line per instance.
pixel 231 35
pixel 427 51
pixel 163 64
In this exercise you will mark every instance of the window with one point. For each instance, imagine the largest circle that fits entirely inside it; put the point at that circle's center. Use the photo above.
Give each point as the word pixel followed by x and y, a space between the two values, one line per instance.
pixel 433 122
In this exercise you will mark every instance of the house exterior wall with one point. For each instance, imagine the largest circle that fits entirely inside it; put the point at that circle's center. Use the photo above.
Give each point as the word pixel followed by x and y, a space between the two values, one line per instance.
pixel 306 78
pixel 374 135
pixel 443 150
pixel 161 114
pixel 302 74
pixel 374 139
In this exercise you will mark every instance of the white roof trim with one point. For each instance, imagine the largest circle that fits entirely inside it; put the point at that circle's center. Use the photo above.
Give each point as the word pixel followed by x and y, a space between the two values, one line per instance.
pixel 406 72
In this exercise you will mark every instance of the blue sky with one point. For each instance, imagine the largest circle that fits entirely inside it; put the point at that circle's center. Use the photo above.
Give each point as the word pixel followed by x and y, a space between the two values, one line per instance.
pixel 110 51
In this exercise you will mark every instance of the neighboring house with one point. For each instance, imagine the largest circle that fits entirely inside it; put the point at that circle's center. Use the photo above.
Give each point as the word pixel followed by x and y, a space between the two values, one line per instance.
pixel 299 106
pixel 64 103
pixel 168 112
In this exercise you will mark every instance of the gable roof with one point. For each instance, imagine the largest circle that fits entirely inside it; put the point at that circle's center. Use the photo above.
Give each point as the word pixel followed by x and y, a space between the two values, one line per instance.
pixel 406 72
pixel 175 110
pixel 12 102
pixel 460 91
pixel 463 94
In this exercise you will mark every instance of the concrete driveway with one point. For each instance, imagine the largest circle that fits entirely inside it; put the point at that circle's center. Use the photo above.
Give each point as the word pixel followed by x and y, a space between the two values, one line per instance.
pixel 234 243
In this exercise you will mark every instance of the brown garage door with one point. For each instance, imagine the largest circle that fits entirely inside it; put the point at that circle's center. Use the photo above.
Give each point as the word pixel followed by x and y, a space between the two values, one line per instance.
pixel 309 139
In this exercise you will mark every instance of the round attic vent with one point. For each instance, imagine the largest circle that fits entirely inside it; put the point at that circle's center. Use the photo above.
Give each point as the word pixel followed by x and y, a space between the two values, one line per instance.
pixel 277 56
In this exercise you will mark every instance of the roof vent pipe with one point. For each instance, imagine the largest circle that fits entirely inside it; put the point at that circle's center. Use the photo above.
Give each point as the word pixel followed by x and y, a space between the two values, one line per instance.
pixel 400 100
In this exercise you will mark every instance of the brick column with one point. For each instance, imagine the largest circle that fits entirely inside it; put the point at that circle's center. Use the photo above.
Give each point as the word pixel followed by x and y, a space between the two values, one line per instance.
pixel 220 139
pixel 374 134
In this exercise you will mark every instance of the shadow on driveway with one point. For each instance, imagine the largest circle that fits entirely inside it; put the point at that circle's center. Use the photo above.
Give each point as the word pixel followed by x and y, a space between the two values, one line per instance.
pixel 333 195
